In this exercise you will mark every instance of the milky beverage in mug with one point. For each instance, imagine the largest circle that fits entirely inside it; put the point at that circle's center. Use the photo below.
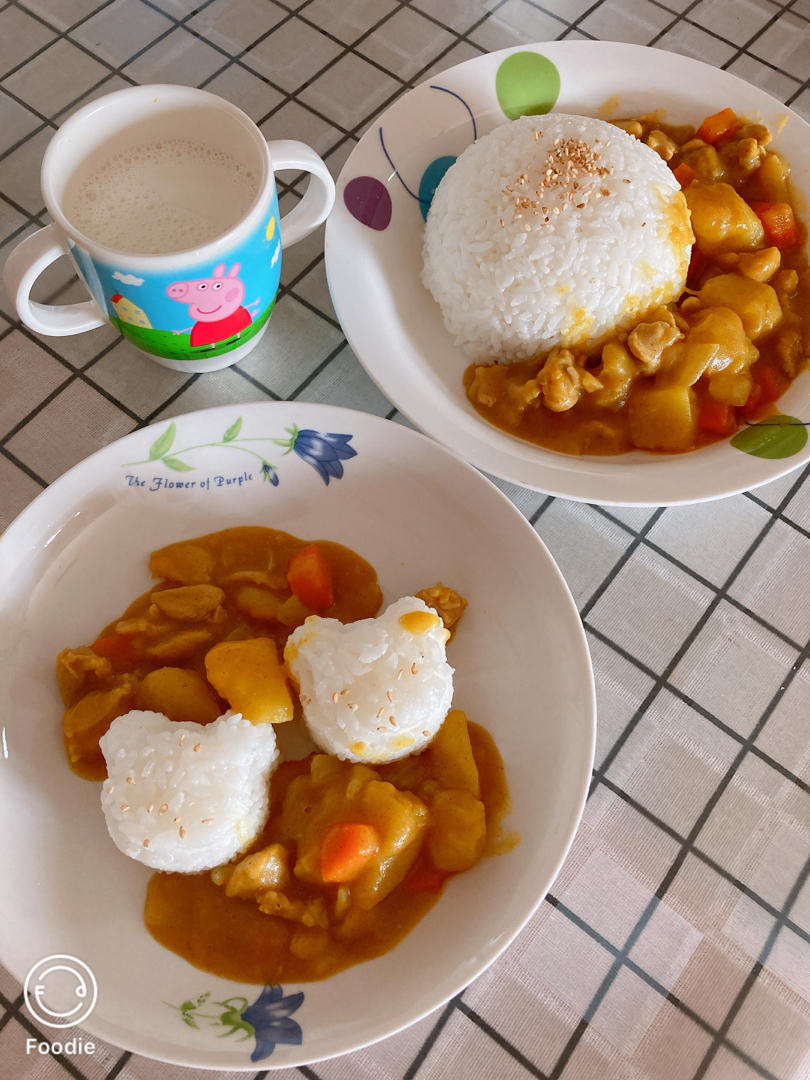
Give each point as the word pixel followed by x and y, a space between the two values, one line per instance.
pixel 160 197
pixel 165 199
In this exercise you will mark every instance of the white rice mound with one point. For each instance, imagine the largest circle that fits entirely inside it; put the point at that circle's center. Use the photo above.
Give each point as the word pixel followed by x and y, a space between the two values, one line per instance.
pixel 372 690
pixel 553 230
pixel 183 796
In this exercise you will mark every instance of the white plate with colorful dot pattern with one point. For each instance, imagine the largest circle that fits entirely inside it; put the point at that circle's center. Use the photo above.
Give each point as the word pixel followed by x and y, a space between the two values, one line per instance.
pixel 373 259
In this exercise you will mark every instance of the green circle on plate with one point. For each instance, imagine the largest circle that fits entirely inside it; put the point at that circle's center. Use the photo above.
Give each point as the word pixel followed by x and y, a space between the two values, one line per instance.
pixel 774 437
pixel 527 84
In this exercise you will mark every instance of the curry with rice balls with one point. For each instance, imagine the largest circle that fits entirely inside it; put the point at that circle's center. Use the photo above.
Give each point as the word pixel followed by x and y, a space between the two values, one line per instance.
pixel 694 371
pixel 318 893
pixel 352 855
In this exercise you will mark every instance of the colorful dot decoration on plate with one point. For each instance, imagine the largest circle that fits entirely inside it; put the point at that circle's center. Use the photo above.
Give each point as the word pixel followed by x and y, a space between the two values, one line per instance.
pixel 431 178
pixel 526 84
pixel 367 199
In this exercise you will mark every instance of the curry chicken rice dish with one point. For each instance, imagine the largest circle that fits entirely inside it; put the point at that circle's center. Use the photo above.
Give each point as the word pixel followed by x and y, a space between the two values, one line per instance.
pixel 695 370
pixel 186 705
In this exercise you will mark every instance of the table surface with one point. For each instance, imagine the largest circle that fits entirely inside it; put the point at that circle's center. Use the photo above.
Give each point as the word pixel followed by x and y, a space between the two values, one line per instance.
pixel 675 943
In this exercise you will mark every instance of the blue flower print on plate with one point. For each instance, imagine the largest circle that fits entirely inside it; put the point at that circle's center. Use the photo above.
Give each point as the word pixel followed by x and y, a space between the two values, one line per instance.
pixel 270 1017
pixel 268 1020
pixel 325 452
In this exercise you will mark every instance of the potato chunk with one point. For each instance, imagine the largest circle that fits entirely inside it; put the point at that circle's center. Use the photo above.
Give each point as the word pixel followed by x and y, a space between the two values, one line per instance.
pixel 616 374
pixel 400 818
pixel 754 301
pixel 449 758
pixel 773 176
pixel 179 694
pixel 721 219
pixel 258 603
pixel 760 265
pixel 731 387
pixel 337 791
pixel 686 362
pixel 458 830
pixel 249 675
pixel 723 327
pixel 663 418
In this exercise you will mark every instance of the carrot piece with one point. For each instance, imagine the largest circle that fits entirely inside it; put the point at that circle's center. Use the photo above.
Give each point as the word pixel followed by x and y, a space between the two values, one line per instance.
pixel 779 223
pixel 346 849
pixel 769 384
pixel 310 578
pixel 684 174
pixel 717 418
pixel 749 409
pixel 116 648
pixel 768 387
pixel 718 126
pixel 423 879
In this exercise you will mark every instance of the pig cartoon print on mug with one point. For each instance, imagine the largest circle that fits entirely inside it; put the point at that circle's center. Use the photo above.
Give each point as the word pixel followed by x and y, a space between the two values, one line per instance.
pixel 215 304
pixel 185 317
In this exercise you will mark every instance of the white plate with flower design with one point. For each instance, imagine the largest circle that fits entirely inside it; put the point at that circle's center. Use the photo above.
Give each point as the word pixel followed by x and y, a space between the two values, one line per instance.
pixel 73 560
pixel 374 242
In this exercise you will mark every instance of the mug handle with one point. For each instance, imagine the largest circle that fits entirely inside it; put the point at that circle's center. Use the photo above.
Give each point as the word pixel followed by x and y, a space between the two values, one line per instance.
pixel 319 197
pixel 23 266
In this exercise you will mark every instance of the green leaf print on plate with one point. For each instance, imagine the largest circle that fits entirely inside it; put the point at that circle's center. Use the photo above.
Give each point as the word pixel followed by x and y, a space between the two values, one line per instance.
pixel 163 443
pixel 774 437
pixel 233 430
pixel 176 464
pixel 159 450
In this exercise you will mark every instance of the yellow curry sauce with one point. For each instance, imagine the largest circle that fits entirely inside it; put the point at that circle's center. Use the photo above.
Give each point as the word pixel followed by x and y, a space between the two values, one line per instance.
pixel 232 937
pixel 220 614
pixel 694 371
pixel 224 586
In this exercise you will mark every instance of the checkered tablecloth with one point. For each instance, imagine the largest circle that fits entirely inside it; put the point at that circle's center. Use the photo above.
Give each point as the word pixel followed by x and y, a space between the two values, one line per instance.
pixel 675 943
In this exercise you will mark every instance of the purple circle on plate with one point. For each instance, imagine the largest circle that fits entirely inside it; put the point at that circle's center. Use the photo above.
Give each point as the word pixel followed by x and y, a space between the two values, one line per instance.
pixel 367 199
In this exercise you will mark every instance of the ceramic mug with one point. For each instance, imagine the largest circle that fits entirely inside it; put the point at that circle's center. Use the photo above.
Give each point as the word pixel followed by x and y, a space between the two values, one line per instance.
pixel 203 303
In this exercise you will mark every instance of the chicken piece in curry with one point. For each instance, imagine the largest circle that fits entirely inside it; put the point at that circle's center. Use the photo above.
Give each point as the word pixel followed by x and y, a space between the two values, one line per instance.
pixel 694 371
